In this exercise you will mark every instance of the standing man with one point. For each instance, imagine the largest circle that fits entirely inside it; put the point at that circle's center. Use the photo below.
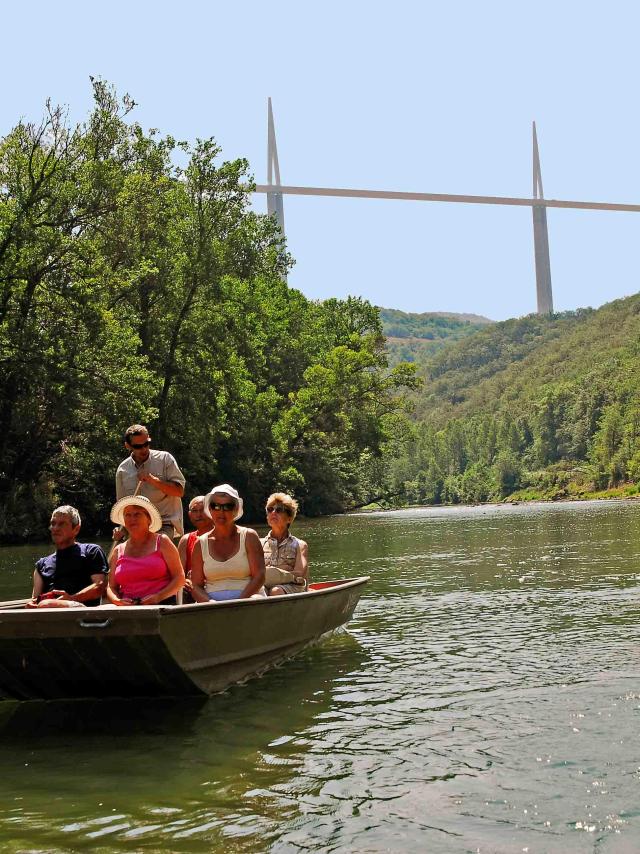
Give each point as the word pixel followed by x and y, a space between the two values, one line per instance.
pixel 75 572
pixel 158 475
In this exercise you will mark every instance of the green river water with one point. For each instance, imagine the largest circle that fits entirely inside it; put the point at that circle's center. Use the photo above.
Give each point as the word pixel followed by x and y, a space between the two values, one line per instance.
pixel 485 698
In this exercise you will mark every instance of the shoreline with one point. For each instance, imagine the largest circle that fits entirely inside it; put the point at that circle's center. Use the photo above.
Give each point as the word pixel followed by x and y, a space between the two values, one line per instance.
pixel 613 494
pixel 629 493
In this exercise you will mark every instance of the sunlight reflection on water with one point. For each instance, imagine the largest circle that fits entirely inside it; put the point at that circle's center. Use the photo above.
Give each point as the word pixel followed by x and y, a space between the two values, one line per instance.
pixel 486 698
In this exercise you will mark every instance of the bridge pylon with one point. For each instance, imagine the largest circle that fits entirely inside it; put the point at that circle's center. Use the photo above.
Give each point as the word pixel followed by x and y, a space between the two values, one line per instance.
pixel 541 238
pixel 275 204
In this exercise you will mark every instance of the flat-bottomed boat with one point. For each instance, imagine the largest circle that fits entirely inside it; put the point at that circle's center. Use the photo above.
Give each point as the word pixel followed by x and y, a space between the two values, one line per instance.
pixel 161 651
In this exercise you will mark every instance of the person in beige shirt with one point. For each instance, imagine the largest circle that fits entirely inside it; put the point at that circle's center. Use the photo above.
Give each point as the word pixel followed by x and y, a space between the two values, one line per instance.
pixel 154 474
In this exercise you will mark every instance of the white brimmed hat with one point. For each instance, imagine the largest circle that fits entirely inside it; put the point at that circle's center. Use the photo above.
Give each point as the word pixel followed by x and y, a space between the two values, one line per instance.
pixel 117 511
pixel 224 489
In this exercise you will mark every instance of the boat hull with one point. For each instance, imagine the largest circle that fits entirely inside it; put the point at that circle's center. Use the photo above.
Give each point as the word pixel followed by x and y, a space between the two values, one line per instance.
pixel 155 651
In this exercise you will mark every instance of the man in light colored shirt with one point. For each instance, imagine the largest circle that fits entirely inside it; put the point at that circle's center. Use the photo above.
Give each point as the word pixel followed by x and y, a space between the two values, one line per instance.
pixel 154 474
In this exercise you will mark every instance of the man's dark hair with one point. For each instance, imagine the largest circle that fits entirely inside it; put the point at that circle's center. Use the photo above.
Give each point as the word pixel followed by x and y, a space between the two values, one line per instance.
pixel 134 430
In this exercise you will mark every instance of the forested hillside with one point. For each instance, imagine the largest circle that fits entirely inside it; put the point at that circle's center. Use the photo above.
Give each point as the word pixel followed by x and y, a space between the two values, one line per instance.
pixel 136 290
pixel 538 406
pixel 133 289
pixel 416 337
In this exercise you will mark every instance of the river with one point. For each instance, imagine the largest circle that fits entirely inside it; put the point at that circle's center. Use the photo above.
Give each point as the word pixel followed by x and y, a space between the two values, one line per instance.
pixel 485 698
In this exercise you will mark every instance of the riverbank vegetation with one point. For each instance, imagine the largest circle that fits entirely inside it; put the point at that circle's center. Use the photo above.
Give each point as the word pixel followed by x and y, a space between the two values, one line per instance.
pixel 133 289
pixel 138 285
pixel 537 407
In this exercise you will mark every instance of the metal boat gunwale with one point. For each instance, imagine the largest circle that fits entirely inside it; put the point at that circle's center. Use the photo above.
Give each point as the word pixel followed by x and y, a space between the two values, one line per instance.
pixel 315 588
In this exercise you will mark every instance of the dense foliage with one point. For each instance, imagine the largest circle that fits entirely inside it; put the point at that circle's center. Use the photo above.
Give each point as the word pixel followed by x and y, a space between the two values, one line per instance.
pixel 416 337
pixel 533 407
pixel 135 290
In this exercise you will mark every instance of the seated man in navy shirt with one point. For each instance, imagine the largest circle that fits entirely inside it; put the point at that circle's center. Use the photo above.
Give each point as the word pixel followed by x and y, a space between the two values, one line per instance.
pixel 76 573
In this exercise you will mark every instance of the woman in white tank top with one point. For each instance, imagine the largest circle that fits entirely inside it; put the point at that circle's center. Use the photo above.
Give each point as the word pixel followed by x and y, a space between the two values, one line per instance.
pixel 228 562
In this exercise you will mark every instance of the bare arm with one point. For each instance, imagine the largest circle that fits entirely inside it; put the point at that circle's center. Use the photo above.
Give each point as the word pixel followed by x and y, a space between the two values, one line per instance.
pixel 91 591
pixel 255 554
pixel 113 591
pixel 38 586
pixel 302 561
pixel 182 551
pixel 197 575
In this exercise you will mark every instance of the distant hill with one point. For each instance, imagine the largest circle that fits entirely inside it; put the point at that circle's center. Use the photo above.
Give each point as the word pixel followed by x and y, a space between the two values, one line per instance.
pixel 532 407
pixel 414 337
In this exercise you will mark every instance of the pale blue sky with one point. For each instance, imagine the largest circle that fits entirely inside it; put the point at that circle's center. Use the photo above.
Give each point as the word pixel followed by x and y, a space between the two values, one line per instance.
pixel 428 97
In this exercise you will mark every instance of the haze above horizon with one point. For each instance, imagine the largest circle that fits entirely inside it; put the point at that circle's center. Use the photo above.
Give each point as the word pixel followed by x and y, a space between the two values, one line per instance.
pixel 412 96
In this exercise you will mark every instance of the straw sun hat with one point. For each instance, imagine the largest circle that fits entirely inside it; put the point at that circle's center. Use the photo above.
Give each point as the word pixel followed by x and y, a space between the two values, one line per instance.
pixel 117 511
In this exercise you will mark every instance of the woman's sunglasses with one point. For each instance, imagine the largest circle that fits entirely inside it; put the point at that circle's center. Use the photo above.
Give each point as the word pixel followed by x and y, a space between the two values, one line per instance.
pixel 277 508
pixel 230 505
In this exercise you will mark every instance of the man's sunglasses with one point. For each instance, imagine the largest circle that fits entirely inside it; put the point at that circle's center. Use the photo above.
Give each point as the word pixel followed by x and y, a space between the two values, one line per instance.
pixel 228 507
pixel 141 445
pixel 277 508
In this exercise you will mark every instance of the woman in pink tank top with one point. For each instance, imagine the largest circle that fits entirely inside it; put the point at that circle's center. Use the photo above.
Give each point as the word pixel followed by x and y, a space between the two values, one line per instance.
pixel 146 569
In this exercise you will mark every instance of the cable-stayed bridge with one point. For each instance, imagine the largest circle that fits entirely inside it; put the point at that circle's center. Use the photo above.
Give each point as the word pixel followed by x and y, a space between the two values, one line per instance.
pixel 275 191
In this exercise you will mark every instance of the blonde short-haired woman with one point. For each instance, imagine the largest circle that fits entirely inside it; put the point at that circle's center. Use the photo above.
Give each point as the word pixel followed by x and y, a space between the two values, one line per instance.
pixel 285 556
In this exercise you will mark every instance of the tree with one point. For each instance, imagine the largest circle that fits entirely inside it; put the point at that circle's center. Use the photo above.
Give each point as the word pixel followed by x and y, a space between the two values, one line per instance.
pixel 136 290
pixel 64 354
pixel 340 418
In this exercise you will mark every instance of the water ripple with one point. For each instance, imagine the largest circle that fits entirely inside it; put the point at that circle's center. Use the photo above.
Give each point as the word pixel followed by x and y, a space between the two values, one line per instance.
pixel 485 699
